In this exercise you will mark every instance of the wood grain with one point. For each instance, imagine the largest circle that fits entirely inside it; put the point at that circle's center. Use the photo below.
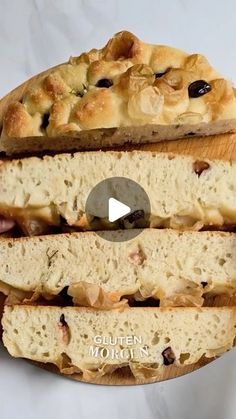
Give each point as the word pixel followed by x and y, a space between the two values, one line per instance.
pixel 213 147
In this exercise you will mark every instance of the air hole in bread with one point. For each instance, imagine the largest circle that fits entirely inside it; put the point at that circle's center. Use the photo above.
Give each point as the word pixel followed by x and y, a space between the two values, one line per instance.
pixel 155 339
pixel 68 183
pixel 190 134
pixel 216 318
pixel 222 261
pixel 184 357
pixel 188 342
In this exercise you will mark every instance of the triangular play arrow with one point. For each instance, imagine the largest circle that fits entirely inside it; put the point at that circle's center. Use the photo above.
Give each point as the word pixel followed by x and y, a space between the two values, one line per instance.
pixel 117 209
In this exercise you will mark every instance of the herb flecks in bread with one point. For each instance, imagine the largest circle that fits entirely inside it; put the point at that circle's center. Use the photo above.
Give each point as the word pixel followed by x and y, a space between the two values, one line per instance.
pixel 179 269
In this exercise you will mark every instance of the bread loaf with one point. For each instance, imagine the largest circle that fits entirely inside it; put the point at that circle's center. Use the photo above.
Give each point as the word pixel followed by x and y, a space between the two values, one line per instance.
pixel 127 91
pixel 85 340
pixel 176 268
pixel 184 192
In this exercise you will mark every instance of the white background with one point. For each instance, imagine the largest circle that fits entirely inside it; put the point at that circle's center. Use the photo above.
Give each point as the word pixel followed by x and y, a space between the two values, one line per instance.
pixel 36 34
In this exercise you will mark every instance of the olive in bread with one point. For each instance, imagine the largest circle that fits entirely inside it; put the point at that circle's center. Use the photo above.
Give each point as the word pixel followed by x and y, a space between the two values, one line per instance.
pixel 127 91
pixel 98 342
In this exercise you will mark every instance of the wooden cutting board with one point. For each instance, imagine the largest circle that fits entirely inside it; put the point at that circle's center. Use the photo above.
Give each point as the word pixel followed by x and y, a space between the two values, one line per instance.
pixel 221 146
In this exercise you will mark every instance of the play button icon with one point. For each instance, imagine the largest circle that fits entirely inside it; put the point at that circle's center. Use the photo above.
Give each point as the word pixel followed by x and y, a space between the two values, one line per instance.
pixel 117 203
pixel 117 209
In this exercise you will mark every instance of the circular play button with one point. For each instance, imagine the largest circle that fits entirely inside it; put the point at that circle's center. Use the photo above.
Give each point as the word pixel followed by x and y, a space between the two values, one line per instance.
pixel 118 203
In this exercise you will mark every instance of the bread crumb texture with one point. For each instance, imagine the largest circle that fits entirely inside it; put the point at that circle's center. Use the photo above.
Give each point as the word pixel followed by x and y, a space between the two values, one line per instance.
pixel 177 268
pixel 184 192
pixel 90 340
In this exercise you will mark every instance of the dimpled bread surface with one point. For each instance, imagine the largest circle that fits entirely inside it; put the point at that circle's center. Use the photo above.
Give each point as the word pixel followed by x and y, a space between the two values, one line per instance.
pixel 127 83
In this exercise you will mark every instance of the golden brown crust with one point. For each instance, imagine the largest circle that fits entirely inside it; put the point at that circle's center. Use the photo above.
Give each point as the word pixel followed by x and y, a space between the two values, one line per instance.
pixel 19 123
pixel 74 97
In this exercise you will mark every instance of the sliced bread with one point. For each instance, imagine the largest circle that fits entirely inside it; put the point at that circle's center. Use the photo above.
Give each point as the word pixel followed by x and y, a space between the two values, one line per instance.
pixel 127 91
pixel 184 192
pixel 86 340
pixel 178 268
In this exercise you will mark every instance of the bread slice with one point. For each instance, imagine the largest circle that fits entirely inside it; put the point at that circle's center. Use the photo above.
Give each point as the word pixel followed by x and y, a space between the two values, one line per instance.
pixel 100 341
pixel 114 138
pixel 127 91
pixel 184 192
pixel 177 268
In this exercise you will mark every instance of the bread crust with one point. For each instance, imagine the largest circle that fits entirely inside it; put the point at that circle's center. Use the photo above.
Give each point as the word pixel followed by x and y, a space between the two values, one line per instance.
pixel 184 192
pixel 106 138
pixel 127 91
pixel 71 338
pixel 150 265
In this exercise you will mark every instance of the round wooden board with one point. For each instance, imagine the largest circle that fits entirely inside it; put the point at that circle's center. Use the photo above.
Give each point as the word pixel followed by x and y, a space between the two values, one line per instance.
pixel 214 147
pixel 123 376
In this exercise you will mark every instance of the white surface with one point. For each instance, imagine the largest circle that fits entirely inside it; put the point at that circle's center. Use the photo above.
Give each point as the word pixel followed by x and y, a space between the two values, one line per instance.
pixel 35 34
pixel 116 209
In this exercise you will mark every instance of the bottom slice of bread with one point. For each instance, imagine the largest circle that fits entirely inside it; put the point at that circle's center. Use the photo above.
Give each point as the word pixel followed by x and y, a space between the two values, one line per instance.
pixel 91 341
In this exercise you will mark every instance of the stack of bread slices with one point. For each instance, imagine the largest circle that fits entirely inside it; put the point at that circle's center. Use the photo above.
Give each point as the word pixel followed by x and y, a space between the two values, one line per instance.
pixel 93 303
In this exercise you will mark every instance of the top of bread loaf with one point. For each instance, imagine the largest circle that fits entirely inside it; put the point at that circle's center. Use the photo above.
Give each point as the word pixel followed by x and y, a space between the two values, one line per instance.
pixel 126 83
